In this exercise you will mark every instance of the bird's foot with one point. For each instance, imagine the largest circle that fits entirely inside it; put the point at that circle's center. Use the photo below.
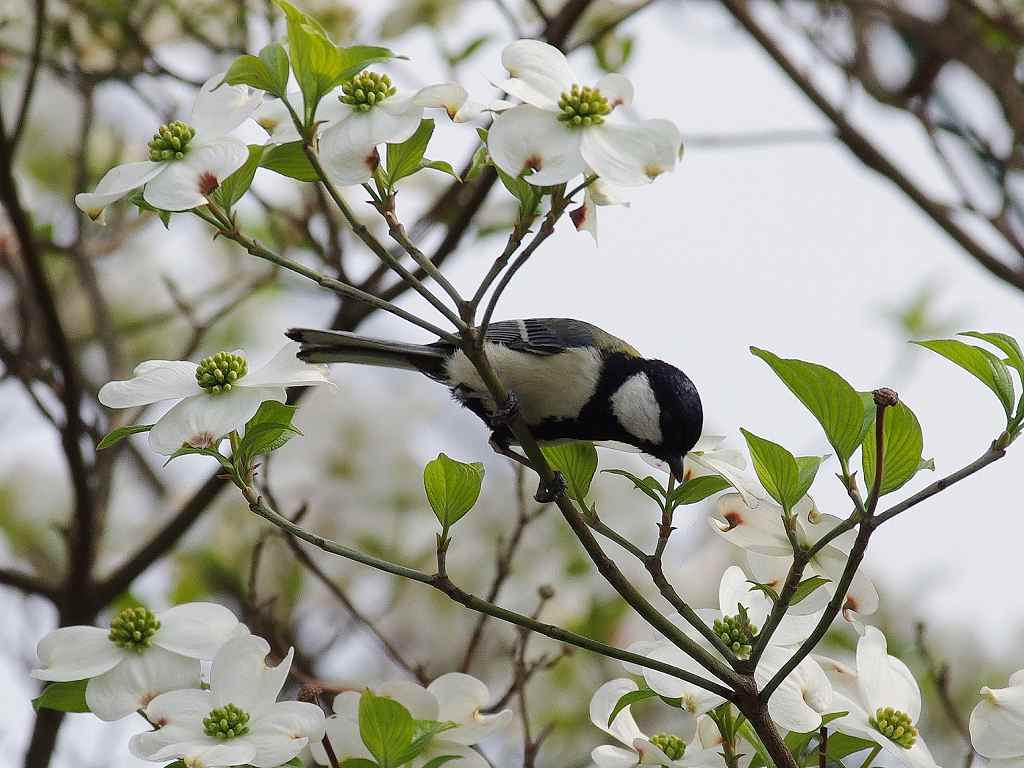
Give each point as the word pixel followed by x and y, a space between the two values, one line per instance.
pixel 549 492
pixel 500 446
pixel 507 411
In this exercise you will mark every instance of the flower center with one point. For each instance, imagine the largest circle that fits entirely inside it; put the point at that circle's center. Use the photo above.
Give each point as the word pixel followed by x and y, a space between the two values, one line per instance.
pixel 171 142
pixel 226 722
pixel 896 725
pixel 582 107
pixel 671 745
pixel 366 90
pixel 218 373
pixel 133 629
pixel 737 632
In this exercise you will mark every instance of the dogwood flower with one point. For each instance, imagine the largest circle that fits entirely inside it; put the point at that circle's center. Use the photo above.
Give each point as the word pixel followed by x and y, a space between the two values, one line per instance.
pixel 598 193
pixel 564 128
pixel 760 531
pixel 883 701
pixel 373 112
pixel 796 705
pixel 276 119
pixel 997 724
pixel 139 657
pixel 216 397
pixel 238 721
pixel 187 161
pixel 662 749
pixel 453 698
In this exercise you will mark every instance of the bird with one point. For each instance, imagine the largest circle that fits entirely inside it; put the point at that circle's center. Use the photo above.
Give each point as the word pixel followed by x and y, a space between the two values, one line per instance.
pixel 568 379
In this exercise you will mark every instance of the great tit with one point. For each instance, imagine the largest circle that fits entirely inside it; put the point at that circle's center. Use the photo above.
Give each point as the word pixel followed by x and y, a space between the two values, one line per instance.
pixel 569 379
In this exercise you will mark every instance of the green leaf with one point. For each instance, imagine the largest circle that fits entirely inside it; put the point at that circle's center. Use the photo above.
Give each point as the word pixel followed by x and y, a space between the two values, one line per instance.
pixel 628 699
pixel 697 489
pixel 289 160
pixel 481 159
pixel 266 72
pixel 136 198
pixel 776 469
pixel 577 461
pixel 842 745
pixel 63 697
pixel 806 587
pixel 768 591
pixel 119 434
pixel 188 450
pixel 358 762
pixel 902 443
pixel 797 741
pixel 386 728
pixel 440 760
pixel 440 165
pixel 404 159
pixel 647 485
pixel 356 58
pixel 237 184
pixel 980 363
pixel 1005 343
pixel 295 762
pixel 827 395
pixel 452 487
pixel 268 429
pixel 424 732
pixel 807 470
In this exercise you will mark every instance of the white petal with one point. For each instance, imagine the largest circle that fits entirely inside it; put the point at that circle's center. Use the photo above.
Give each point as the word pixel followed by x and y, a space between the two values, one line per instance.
pixel 154 380
pixel 441 746
pixel 197 630
pixel 273 116
pixel 201 420
pixel 641 648
pixel 884 680
pixel 115 184
pixel 772 570
pixel 542 68
pixel 1017 678
pixel 798 703
pixel 420 702
pixel 396 119
pixel 207 752
pixel 607 756
pixel 584 218
pixel 862 596
pixel 460 698
pixel 695 700
pixel 630 154
pixel 346 704
pixel 219 110
pixel 997 722
pixel 76 653
pixel 526 138
pixel 184 184
pixel 346 742
pixel 734 590
pixel 756 529
pixel 727 469
pixel 286 370
pixel 179 715
pixel 241 677
pixel 842 677
pixel 448 96
pixel 348 153
pixel 139 679
pixel 282 732
pixel 617 89
pixel 623 727
pixel 481 727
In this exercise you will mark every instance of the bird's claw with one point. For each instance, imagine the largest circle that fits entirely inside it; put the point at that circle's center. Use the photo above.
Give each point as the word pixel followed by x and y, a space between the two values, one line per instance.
pixel 549 492
pixel 507 412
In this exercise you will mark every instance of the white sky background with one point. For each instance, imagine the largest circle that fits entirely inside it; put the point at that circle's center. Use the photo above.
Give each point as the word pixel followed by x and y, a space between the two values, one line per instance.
pixel 796 248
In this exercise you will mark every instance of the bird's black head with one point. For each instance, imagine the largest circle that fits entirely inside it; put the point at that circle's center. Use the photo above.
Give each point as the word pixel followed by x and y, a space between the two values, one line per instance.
pixel 658 406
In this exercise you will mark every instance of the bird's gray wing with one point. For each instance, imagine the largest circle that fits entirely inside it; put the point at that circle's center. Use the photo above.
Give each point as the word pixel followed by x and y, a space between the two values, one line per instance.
pixel 551 335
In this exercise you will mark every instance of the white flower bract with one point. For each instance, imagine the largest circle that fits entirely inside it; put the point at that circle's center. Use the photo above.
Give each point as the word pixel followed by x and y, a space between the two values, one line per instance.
pixel 536 137
pixel 211 156
pixel 997 724
pixel 274 732
pixel 123 680
pixel 200 419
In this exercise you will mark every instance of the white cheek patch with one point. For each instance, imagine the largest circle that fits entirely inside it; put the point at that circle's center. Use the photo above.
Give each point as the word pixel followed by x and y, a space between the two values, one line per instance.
pixel 637 409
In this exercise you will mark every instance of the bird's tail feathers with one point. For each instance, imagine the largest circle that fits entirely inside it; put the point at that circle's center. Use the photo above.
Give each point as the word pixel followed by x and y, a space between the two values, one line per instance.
pixel 343 347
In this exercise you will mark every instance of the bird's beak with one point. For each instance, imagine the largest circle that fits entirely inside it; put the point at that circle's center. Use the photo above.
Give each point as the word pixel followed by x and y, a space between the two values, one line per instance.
pixel 675 463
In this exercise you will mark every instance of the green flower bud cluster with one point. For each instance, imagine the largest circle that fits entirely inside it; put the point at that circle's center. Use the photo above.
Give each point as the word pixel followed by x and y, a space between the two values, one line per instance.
pixel 226 722
pixel 671 745
pixel 365 90
pixel 133 629
pixel 218 373
pixel 171 141
pixel 737 632
pixel 582 107
pixel 896 725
